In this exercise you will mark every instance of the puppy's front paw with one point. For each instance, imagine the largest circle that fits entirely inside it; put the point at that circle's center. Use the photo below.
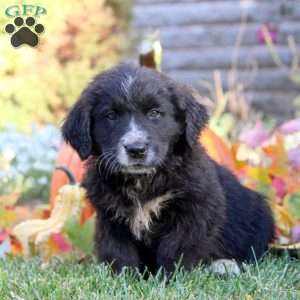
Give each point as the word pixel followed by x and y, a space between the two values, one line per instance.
pixel 225 267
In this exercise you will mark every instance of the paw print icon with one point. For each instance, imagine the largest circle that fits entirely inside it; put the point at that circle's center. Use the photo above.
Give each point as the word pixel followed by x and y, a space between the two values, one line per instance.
pixel 24 32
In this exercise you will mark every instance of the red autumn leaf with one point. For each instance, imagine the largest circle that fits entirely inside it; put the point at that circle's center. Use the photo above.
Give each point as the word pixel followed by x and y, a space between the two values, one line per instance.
pixel 61 243
pixel 217 149
pixel 16 248
pixel 279 187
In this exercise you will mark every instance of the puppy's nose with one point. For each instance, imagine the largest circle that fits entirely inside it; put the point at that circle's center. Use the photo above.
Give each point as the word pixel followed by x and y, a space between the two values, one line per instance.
pixel 136 150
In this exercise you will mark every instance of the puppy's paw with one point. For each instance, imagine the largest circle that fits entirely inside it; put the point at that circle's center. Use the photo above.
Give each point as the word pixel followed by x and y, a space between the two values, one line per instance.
pixel 225 267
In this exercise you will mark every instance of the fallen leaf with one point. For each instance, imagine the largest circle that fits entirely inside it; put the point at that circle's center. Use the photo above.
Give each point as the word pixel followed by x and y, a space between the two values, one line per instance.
pixel 16 248
pixel 258 174
pixel 284 220
pixel 279 186
pixel 217 149
pixel 62 244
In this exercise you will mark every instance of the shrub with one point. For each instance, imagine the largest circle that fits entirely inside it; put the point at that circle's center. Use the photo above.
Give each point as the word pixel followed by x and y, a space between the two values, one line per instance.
pixel 81 38
pixel 27 162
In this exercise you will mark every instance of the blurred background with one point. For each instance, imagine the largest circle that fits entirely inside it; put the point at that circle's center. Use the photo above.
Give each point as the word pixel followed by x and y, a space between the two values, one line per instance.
pixel 199 37
pixel 39 84
pixel 242 57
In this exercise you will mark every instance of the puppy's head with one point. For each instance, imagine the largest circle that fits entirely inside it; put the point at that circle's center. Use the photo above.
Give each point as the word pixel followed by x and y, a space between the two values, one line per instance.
pixel 132 119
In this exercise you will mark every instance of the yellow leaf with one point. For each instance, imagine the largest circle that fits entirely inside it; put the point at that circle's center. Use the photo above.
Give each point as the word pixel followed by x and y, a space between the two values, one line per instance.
pixel 7 217
pixel 291 203
pixel 279 156
pixel 284 220
pixel 257 173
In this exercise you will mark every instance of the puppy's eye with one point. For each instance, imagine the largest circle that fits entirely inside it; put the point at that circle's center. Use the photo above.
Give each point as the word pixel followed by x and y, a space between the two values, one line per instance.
pixel 154 114
pixel 111 115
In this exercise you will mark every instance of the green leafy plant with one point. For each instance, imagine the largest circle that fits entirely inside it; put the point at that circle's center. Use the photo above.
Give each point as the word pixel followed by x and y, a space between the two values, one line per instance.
pixel 81 235
pixel 26 172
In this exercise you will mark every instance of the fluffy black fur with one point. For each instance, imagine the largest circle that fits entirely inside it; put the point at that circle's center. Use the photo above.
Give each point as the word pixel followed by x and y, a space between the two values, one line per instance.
pixel 209 216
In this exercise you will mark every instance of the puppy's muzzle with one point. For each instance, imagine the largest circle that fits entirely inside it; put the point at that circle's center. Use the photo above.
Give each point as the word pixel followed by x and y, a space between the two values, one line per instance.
pixel 136 150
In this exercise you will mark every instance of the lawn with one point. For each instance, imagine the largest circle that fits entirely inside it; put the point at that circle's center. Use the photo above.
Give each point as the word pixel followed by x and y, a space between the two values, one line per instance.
pixel 274 278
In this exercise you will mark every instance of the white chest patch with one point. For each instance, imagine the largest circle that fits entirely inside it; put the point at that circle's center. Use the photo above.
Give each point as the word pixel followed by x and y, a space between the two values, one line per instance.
pixel 142 218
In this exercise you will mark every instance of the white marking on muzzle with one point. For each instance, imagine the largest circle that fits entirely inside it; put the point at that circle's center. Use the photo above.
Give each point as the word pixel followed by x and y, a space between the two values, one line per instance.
pixel 133 135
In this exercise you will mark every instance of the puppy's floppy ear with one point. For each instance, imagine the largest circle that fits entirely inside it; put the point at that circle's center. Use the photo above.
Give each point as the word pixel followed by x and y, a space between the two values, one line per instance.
pixel 196 116
pixel 76 128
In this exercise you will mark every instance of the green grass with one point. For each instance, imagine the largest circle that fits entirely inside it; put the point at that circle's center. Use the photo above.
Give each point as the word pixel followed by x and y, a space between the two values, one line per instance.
pixel 274 278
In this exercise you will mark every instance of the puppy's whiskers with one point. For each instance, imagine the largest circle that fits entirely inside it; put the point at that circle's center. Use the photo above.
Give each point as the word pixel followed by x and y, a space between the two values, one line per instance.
pixel 106 164
pixel 99 162
pixel 110 163
pixel 162 164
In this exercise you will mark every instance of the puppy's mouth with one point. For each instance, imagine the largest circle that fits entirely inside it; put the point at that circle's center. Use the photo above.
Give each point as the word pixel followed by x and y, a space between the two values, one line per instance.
pixel 134 161
pixel 138 169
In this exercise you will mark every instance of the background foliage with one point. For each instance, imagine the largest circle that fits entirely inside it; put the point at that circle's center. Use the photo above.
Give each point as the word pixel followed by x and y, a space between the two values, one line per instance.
pixel 26 173
pixel 81 38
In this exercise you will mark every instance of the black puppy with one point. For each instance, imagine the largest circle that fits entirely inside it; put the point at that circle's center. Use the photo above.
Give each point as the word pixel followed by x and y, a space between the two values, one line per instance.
pixel 159 198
